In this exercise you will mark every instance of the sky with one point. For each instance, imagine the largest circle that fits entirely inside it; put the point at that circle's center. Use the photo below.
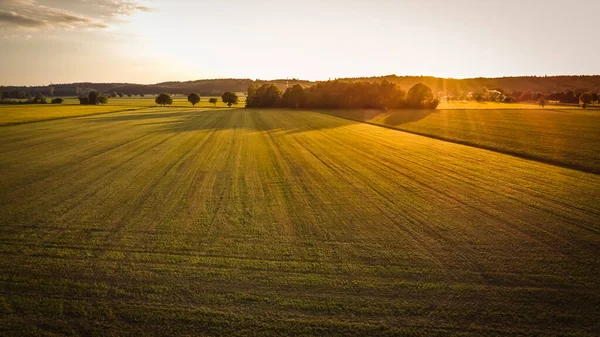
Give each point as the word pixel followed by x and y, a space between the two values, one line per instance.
pixel 152 41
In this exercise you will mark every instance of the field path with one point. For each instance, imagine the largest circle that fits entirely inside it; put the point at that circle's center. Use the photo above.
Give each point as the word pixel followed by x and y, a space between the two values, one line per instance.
pixel 273 222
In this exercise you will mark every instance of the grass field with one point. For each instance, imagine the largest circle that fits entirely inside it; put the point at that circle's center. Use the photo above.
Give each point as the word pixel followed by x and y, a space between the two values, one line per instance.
pixel 11 114
pixel 469 105
pixel 277 222
pixel 567 137
pixel 20 114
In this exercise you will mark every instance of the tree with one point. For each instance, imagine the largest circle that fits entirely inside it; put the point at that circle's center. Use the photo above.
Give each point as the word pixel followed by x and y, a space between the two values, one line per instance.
pixel 477 96
pixel 102 99
pixel 120 94
pixel 569 97
pixel 586 97
pixel 193 98
pixel 595 97
pixel 39 98
pixel 93 97
pixel 57 100
pixel 542 101
pixel 213 100
pixel 433 104
pixel 265 96
pixel 272 96
pixel 164 99
pixel 251 98
pixel 113 94
pixel 229 98
pixel 141 95
pixel 419 95
pixel 129 94
pixel 292 97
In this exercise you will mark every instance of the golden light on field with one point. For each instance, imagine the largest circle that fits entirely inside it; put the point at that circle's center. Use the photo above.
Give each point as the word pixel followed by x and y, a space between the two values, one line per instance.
pixel 171 168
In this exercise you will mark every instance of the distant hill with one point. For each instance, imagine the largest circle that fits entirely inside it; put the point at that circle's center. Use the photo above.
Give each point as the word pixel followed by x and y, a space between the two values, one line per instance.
pixel 545 85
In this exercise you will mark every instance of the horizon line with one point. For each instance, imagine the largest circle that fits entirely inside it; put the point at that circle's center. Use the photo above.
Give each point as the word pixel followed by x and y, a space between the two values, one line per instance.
pixel 308 80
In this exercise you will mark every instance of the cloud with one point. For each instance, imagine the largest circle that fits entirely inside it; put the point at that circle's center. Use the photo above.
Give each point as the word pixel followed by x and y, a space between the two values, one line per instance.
pixel 120 7
pixel 12 18
pixel 68 14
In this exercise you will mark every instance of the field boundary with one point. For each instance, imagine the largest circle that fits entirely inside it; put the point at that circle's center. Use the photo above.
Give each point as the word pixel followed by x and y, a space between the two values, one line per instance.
pixel 67 117
pixel 539 159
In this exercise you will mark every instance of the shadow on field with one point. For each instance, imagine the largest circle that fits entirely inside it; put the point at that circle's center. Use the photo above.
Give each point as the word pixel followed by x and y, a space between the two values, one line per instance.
pixel 406 116
pixel 392 117
pixel 193 119
pixel 142 116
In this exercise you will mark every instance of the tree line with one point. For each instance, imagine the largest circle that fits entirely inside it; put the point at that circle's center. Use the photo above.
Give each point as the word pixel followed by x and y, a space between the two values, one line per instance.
pixel 499 95
pixel 215 87
pixel 228 98
pixel 570 97
pixel 93 98
pixel 567 97
pixel 37 99
pixel 342 95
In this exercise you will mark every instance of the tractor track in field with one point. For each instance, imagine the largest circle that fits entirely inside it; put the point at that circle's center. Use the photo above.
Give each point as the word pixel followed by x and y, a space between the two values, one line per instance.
pixel 527 156
pixel 409 277
pixel 61 170
pixel 78 116
pixel 152 184
pixel 468 179
pixel 452 198
pixel 273 222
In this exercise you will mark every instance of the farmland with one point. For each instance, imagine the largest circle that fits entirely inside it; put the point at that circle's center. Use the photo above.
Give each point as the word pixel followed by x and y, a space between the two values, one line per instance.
pixel 13 114
pixel 561 136
pixel 219 221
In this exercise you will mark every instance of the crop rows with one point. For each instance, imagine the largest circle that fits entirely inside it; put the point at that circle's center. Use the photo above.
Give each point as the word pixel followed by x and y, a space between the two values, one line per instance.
pixel 277 222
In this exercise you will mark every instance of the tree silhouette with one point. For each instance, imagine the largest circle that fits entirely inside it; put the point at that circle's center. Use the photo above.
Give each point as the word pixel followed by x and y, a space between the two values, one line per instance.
pixel 193 98
pixel 586 97
pixel 93 97
pixel 294 96
pixel 229 98
pixel 39 98
pixel 164 99
pixel 419 95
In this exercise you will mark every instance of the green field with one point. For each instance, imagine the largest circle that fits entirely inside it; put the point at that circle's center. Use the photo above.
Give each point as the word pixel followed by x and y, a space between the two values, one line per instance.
pixel 21 114
pixel 207 221
pixel 469 105
pixel 567 137
pixel 12 114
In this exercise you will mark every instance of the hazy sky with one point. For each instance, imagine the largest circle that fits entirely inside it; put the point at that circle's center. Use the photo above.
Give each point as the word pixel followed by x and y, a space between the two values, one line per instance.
pixel 58 41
